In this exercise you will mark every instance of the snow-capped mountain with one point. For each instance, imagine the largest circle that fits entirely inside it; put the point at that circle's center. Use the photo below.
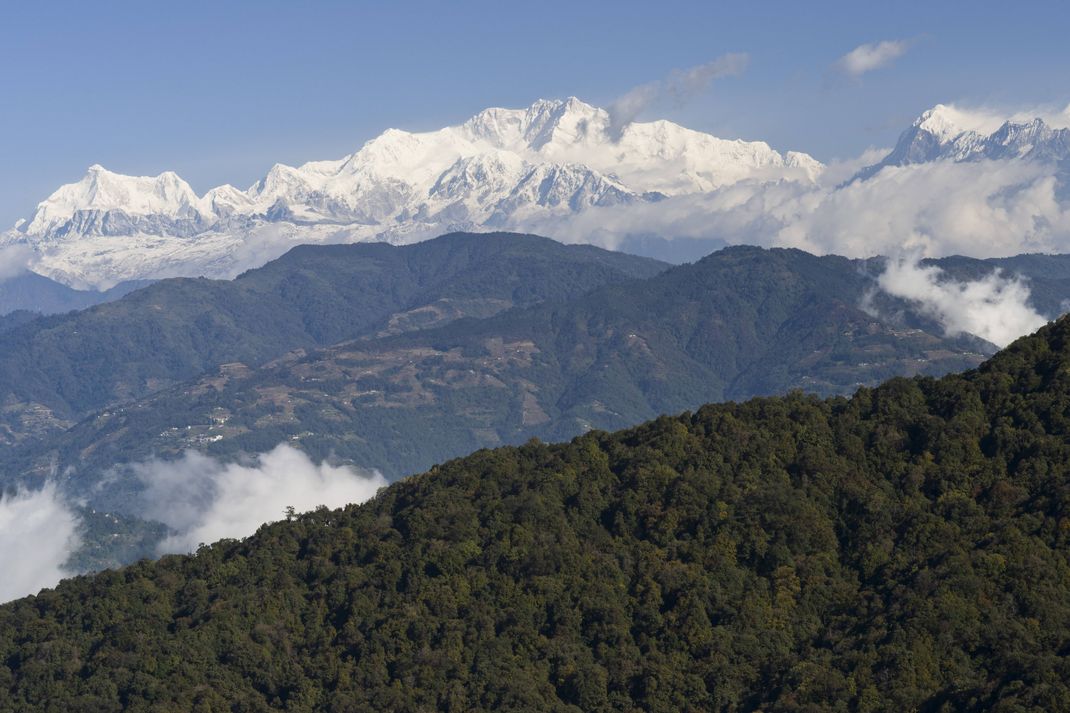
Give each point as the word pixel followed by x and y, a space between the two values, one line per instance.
pixel 106 203
pixel 503 168
pixel 944 133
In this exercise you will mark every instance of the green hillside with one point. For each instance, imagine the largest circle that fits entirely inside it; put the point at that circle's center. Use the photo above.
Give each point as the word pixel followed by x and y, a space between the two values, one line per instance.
pixel 56 370
pixel 740 323
pixel 904 549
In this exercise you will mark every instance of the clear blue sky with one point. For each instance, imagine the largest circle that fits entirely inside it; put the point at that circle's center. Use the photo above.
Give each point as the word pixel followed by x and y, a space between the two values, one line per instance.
pixel 218 91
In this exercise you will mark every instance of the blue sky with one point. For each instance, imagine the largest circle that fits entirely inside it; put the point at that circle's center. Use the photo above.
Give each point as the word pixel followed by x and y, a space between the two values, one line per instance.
pixel 220 91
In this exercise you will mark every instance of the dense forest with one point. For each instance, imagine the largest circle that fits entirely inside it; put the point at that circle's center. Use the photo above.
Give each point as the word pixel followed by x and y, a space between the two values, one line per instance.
pixel 903 549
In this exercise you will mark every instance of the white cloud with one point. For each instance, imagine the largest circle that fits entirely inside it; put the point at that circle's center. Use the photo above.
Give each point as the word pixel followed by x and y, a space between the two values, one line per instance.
pixel 995 307
pixel 866 58
pixel 680 86
pixel 982 209
pixel 14 260
pixel 199 498
pixel 203 500
pixel 38 532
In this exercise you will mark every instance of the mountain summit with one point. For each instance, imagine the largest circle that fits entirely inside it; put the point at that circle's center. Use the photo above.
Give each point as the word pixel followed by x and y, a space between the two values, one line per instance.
pixel 500 169
pixel 947 133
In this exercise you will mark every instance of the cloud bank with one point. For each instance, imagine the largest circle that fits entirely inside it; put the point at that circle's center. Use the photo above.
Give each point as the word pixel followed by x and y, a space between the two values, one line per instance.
pixel 199 498
pixel 979 208
pixel 995 307
pixel 38 532
pixel 982 209
pixel 868 57
pixel 203 500
pixel 680 86
pixel 14 260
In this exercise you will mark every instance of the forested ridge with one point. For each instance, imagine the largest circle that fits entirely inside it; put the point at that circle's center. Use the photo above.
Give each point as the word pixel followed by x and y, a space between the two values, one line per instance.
pixel 55 370
pixel 742 322
pixel 904 549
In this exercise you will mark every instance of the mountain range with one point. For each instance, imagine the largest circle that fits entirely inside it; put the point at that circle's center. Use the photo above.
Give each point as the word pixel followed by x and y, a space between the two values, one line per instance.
pixel 904 549
pixel 557 166
pixel 396 358
pixel 940 134
pixel 499 169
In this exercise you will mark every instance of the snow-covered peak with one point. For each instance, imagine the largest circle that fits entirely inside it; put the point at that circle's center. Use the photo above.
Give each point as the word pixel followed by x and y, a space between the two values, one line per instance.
pixel 502 168
pixel 658 156
pixel 805 162
pixel 391 175
pixel 547 120
pixel 946 122
pixel 398 167
pixel 949 133
pixel 101 190
pixel 226 199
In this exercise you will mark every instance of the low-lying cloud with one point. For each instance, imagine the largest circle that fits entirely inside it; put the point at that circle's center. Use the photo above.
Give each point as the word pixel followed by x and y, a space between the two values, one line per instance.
pixel 38 533
pixel 198 497
pixel 995 307
pixel 980 208
pixel 203 500
pixel 680 86
pixel 14 261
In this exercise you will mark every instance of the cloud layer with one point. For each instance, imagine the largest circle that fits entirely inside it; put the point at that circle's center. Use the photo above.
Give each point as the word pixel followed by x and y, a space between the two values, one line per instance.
pixel 203 500
pixel 38 532
pixel 982 209
pixel 866 58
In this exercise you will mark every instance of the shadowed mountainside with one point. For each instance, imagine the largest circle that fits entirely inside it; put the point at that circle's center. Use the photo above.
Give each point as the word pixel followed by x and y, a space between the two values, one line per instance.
pixel 56 370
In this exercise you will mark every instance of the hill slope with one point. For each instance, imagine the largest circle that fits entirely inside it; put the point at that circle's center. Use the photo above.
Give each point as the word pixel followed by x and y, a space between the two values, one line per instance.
pixel 35 293
pixel 902 550
pixel 54 371
pixel 742 322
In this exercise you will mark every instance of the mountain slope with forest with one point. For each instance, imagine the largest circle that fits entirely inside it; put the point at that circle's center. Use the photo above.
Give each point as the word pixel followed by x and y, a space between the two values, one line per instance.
pixel 904 549
pixel 56 370
pixel 739 323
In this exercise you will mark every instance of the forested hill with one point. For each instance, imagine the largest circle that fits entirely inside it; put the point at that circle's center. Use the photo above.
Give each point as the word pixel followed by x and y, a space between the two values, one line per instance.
pixel 55 370
pixel 904 549
pixel 741 322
